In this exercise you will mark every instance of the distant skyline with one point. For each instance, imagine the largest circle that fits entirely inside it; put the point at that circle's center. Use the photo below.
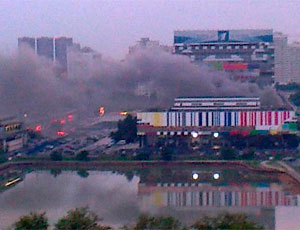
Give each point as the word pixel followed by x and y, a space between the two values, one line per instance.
pixel 110 27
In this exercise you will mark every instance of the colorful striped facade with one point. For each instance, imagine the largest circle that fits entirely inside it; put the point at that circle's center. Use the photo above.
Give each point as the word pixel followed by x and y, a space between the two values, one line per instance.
pixel 259 119
pixel 216 196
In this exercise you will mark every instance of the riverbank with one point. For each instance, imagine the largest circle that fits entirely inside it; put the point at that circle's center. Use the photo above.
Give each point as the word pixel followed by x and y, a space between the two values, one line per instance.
pixel 95 164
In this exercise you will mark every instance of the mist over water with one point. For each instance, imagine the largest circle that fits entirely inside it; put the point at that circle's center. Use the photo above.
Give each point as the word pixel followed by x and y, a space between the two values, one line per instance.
pixel 145 79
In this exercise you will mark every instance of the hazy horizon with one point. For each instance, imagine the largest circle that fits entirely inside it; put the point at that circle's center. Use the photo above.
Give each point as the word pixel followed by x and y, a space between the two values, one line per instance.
pixel 110 27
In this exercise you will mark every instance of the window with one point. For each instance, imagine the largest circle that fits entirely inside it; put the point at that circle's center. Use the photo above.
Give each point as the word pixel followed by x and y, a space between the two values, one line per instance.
pixel 236 47
pixel 213 47
pixel 220 47
pixel 228 47
pixel 245 47
pixel 205 47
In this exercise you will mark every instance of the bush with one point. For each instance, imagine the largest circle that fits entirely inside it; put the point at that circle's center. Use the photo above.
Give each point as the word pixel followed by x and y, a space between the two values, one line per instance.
pixel 228 153
pixel 56 156
pixel 82 156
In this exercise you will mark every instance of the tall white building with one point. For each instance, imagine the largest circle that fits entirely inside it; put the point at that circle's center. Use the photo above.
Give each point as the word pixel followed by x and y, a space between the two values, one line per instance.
pixel 294 62
pixel 287 60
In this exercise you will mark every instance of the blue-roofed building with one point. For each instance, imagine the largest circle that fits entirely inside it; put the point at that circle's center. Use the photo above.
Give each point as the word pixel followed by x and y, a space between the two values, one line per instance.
pixel 246 54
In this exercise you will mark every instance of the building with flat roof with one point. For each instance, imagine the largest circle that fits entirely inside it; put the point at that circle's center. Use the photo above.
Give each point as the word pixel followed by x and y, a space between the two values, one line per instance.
pixel 27 42
pixel 13 136
pixel 61 49
pixel 246 54
pixel 45 47
pixel 287 60
pixel 216 103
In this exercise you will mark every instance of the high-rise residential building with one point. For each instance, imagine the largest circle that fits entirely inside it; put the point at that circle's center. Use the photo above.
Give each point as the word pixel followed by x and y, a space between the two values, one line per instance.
pixel 27 42
pixel 294 62
pixel 61 45
pixel 45 47
pixel 146 43
pixel 55 49
pixel 246 54
pixel 287 60
pixel 281 58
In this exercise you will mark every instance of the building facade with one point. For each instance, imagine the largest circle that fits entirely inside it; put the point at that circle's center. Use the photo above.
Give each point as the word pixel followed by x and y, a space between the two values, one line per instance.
pixel 54 49
pixel 246 54
pixel 13 136
pixel 61 49
pixel 228 116
pixel 45 47
pixel 27 42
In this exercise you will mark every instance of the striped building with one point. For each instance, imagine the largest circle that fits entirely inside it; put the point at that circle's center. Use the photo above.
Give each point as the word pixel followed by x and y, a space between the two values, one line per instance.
pixel 197 195
pixel 215 118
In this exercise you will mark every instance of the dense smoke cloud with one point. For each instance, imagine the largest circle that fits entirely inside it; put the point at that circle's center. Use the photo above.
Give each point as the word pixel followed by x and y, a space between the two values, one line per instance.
pixel 146 79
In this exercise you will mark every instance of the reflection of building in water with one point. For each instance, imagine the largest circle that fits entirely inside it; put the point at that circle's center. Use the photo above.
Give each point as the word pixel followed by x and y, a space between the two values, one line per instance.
pixel 188 202
pixel 202 195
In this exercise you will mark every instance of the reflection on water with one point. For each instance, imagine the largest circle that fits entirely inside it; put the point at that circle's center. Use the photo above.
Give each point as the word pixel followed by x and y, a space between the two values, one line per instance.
pixel 119 196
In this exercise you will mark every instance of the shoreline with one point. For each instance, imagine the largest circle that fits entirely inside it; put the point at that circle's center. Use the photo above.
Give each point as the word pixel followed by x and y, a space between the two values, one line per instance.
pixel 141 164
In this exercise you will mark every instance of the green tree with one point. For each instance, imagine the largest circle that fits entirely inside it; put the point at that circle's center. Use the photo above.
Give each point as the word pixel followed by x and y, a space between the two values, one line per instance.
pixel 56 156
pixel 82 156
pixel 3 159
pixel 83 173
pixel 150 222
pixel 33 221
pixel 295 98
pixel 166 154
pixel 249 154
pixel 228 153
pixel 80 219
pixel 127 130
pixel 226 221
pixel 55 172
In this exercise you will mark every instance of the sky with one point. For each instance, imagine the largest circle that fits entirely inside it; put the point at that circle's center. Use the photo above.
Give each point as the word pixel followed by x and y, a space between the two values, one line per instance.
pixel 111 26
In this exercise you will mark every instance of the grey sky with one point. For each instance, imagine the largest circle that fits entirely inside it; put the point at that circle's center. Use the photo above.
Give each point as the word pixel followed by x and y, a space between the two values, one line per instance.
pixel 110 26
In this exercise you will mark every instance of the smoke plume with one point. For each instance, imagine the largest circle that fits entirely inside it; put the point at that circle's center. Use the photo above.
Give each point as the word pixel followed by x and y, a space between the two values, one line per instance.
pixel 145 79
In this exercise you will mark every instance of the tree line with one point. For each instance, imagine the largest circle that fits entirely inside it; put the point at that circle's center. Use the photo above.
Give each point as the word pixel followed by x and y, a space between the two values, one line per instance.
pixel 85 219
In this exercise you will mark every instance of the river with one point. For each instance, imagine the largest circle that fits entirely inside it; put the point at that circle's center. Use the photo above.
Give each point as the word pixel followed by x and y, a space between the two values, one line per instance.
pixel 120 195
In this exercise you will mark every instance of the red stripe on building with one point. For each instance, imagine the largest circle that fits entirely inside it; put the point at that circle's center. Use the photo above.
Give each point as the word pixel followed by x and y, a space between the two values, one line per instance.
pixel 238 66
pixel 276 117
pixel 269 118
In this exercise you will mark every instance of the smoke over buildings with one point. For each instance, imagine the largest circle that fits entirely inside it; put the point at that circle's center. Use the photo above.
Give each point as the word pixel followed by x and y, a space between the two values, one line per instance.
pixel 145 79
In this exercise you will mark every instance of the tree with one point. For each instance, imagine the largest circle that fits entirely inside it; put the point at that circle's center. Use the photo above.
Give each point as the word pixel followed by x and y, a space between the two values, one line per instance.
pixel 226 221
pixel 33 221
pixel 228 153
pixel 81 219
pixel 2 159
pixel 166 154
pixel 83 173
pixel 249 154
pixel 127 130
pixel 150 222
pixel 295 98
pixel 56 156
pixel 55 172
pixel 82 156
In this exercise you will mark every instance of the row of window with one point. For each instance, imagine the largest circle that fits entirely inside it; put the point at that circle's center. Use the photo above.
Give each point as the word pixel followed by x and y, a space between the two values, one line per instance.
pixel 217 199
pixel 228 47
